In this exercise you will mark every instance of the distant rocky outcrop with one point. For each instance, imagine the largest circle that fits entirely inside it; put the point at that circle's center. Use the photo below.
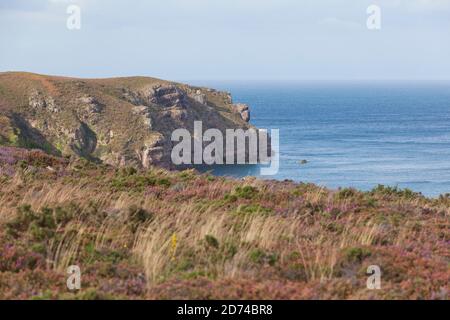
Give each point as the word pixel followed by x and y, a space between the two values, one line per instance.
pixel 118 121
pixel 39 101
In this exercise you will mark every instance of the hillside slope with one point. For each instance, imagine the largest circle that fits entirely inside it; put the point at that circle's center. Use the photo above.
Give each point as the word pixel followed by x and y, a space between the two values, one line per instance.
pixel 150 235
pixel 118 121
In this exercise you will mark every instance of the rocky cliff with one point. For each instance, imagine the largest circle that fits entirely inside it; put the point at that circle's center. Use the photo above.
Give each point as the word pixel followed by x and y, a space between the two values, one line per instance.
pixel 118 121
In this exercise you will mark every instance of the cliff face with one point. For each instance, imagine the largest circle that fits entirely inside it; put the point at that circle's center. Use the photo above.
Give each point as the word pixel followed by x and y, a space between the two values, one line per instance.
pixel 118 121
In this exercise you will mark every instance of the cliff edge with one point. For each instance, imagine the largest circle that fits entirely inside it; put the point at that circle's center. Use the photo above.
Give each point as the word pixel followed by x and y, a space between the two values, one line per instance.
pixel 117 121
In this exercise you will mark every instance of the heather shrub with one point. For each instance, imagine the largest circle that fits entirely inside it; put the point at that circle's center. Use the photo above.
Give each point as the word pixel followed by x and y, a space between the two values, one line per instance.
pixel 259 256
pixel 356 254
pixel 252 209
pixel 211 241
pixel 159 234
pixel 395 191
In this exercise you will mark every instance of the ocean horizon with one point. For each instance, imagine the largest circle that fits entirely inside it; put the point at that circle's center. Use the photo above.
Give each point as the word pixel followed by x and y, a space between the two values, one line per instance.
pixel 352 134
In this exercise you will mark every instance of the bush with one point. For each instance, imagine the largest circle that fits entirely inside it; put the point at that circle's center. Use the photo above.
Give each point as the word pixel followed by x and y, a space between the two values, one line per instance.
pixel 258 256
pixel 346 193
pixel 253 209
pixel 138 216
pixel 128 171
pixel 22 220
pixel 357 254
pixel 130 181
pixel 246 192
pixel 212 241
pixel 395 191
pixel 230 198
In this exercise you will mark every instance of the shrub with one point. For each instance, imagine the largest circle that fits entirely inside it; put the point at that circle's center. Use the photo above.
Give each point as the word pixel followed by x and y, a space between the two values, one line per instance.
pixel 212 241
pixel 253 209
pixel 138 216
pixel 357 254
pixel 258 256
pixel 346 193
pixel 21 221
pixel 230 198
pixel 395 191
pixel 246 192
pixel 128 171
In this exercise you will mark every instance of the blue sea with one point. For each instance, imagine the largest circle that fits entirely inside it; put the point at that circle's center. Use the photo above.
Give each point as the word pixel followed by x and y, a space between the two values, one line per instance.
pixel 354 134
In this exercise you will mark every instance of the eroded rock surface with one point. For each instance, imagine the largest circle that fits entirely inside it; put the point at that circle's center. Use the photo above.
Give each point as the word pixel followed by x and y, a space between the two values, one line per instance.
pixel 243 111
pixel 119 121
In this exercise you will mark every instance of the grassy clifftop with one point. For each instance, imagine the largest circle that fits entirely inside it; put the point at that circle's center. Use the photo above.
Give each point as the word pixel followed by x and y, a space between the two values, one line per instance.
pixel 152 234
pixel 119 121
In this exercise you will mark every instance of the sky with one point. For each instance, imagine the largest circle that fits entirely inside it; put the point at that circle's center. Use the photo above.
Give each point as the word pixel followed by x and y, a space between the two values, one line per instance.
pixel 228 39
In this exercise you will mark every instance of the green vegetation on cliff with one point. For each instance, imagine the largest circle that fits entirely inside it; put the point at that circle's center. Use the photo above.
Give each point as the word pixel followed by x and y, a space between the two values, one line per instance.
pixel 118 121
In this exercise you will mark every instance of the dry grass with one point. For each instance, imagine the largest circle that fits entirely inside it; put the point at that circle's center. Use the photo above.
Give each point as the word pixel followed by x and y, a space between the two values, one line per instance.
pixel 167 234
